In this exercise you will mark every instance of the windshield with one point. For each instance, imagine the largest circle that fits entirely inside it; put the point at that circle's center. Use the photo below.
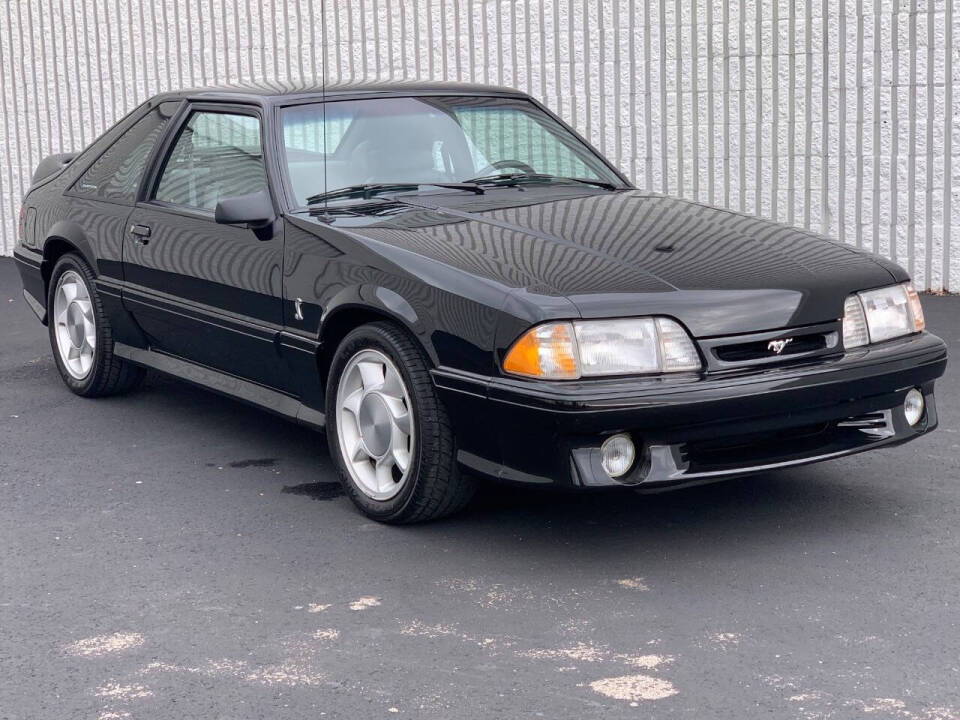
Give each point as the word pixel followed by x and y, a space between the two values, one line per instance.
pixel 428 140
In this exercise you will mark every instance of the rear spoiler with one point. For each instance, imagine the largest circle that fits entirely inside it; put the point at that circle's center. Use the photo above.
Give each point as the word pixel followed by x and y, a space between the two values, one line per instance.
pixel 51 165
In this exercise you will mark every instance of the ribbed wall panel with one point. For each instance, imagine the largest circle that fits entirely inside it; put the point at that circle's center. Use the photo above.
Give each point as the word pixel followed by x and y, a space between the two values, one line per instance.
pixel 842 116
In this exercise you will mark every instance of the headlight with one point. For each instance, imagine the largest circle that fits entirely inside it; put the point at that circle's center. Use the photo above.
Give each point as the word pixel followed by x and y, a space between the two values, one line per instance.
pixel 878 315
pixel 592 348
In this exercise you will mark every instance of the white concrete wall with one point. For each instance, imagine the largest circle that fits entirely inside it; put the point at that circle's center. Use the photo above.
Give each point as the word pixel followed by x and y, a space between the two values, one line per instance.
pixel 840 115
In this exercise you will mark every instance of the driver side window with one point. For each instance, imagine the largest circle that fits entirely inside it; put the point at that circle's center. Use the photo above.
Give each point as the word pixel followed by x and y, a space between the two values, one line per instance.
pixel 216 155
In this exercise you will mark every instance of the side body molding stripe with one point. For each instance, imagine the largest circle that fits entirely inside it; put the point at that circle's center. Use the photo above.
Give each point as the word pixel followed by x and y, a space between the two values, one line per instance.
pixel 244 390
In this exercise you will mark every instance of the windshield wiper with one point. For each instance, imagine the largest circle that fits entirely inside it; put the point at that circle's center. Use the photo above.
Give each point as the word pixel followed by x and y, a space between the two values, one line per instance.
pixel 368 190
pixel 511 179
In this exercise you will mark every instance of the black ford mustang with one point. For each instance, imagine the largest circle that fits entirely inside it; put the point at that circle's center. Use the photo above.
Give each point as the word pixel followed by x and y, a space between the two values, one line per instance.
pixel 453 283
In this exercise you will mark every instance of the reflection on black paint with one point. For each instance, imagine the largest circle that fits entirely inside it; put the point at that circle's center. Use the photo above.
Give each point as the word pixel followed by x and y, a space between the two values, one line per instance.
pixel 604 251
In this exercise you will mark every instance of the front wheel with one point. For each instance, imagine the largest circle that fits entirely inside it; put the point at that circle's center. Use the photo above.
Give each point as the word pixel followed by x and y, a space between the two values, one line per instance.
pixel 388 432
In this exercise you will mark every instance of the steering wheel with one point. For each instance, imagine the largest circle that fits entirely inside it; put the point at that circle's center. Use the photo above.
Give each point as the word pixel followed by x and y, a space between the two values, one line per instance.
pixel 504 164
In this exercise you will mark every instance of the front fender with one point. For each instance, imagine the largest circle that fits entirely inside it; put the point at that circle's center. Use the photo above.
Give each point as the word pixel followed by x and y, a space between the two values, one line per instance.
pixel 371 300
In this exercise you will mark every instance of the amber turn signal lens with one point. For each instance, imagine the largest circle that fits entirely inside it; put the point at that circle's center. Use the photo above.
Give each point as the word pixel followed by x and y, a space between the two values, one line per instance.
pixel 916 309
pixel 546 351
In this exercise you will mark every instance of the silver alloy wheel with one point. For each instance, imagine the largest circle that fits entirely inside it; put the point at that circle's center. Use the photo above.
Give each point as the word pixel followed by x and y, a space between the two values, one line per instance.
pixel 375 424
pixel 76 327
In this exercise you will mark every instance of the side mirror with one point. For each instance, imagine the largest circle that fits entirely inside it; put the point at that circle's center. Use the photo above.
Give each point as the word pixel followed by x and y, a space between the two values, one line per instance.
pixel 253 210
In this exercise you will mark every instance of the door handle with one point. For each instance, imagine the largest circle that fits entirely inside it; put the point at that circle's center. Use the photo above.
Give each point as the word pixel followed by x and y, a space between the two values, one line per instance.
pixel 140 233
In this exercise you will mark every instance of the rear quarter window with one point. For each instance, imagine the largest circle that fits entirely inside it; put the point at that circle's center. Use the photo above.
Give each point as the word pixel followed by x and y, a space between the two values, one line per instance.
pixel 116 174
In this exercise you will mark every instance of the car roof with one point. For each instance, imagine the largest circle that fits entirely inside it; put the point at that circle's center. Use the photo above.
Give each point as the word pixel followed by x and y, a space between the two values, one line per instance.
pixel 274 92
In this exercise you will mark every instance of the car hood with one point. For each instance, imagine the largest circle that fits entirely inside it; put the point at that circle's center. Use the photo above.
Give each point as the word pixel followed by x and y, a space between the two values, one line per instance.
pixel 630 253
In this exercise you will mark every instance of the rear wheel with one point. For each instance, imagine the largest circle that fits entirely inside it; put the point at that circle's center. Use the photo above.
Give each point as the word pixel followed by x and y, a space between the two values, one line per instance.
pixel 388 433
pixel 81 335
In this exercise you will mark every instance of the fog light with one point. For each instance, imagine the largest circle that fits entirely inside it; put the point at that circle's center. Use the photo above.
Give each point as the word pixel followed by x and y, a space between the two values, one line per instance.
pixel 617 455
pixel 913 407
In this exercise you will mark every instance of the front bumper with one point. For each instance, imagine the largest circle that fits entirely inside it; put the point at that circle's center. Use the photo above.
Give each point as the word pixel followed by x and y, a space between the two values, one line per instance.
pixel 696 428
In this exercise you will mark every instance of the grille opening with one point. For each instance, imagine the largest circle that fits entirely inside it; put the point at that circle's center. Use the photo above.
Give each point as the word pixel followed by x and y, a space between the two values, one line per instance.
pixel 761 350
pixel 785 444
pixel 870 421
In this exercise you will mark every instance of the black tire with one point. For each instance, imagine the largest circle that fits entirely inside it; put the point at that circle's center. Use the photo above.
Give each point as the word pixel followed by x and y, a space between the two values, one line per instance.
pixel 109 375
pixel 435 487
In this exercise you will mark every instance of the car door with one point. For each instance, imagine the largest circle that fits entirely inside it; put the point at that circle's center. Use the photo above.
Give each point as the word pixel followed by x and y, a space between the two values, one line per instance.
pixel 201 290
pixel 102 198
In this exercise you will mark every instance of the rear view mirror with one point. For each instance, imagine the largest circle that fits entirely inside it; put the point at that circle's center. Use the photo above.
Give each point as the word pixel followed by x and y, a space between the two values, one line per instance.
pixel 253 210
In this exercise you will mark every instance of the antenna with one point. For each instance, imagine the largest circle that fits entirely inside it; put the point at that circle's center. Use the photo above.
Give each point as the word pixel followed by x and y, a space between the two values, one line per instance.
pixel 323 92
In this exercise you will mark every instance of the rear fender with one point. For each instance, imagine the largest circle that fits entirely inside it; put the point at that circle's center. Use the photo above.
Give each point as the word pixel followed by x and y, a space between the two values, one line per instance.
pixel 69 233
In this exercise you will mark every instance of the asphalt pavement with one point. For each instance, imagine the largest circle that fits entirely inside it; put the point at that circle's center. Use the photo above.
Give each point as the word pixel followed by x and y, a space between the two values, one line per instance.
pixel 175 554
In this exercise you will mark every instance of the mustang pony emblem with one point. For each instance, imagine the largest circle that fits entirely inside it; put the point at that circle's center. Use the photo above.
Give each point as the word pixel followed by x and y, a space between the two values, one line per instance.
pixel 777 346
